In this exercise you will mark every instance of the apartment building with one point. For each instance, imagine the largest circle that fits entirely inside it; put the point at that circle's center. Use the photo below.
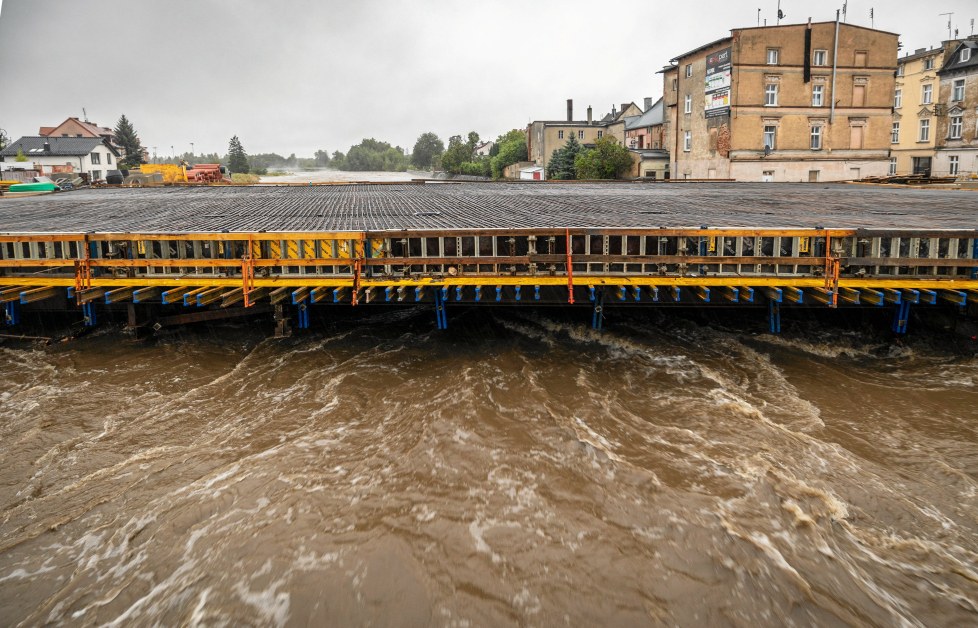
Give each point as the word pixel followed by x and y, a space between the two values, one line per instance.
pixel 800 102
pixel 913 133
pixel 543 137
pixel 957 111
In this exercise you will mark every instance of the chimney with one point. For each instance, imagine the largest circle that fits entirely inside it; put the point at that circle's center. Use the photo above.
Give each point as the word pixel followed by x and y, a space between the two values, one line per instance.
pixel 570 109
pixel 648 103
pixel 589 114
pixel 47 147
pixel 613 111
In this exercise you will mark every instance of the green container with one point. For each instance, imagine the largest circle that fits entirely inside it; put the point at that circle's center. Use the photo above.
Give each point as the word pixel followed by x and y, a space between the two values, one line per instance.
pixel 33 187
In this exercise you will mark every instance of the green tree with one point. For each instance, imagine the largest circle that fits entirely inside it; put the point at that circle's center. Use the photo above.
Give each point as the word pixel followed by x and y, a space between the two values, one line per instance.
pixel 237 157
pixel 459 152
pixel 20 155
pixel 4 140
pixel 561 166
pixel 427 150
pixel 508 149
pixel 607 160
pixel 322 158
pixel 126 137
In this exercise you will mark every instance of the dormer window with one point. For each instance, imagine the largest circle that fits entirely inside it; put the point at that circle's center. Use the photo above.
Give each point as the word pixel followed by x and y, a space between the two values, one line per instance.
pixel 965 54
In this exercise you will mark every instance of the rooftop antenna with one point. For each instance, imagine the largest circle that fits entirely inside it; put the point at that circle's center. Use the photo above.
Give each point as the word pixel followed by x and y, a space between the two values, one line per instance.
pixel 845 5
pixel 85 114
pixel 759 18
pixel 780 13
pixel 972 26
pixel 872 22
pixel 948 23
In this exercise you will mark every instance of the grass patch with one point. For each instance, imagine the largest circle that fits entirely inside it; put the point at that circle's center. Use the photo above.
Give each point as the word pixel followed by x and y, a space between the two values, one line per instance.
pixel 238 177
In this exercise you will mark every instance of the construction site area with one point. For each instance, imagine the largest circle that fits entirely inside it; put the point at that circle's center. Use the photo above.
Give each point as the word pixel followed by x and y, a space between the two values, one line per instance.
pixel 178 255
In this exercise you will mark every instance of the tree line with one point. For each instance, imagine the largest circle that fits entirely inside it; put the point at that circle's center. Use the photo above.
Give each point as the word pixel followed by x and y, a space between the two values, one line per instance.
pixel 607 159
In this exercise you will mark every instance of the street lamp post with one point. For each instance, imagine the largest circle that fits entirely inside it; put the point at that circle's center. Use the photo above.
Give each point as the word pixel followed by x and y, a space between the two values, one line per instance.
pixel 191 150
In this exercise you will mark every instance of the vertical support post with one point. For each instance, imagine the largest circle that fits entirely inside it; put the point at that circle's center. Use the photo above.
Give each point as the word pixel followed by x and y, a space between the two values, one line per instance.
pixel 597 318
pixel 248 273
pixel 974 255
pixel 570 271
pixel 358 254
pixel 901 317
pixel 441 315
pixel 88 313
pixel 774 316
pixel 11 315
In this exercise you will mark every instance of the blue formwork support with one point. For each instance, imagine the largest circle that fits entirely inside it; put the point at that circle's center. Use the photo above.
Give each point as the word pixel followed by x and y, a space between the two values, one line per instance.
pixel 677 294
pixel 901 318
pixel 517 292
pixel 458 293
pixel 622 294
pixel 441 316
pixel 11 315
pixel 304 315
pixel 749 292
pixel 655 293
pixel 417 293
pixel 444 294
pixel 597 318
pixel 71 292
pixel 637 293
pixel 478 293
pixel 928 297
pixel 88 314
pixel 499 293
pixel 336 294
pixel 591 293
pixel 774 316
pixel 536 293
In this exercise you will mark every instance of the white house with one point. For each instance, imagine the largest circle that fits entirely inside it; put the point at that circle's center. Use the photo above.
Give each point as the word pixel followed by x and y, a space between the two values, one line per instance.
pixel 482 150
pixel 93 156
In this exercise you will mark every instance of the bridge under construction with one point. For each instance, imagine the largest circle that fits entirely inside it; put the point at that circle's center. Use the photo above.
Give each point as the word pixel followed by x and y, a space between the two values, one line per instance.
pixel 171 256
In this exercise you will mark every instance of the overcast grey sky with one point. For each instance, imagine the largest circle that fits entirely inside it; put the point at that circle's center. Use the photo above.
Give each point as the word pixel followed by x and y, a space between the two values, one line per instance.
pixel 300 75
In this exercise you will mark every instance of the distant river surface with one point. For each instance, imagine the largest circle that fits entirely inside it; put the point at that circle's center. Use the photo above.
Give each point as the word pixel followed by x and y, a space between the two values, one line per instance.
pixel 517 469
pixel 325 175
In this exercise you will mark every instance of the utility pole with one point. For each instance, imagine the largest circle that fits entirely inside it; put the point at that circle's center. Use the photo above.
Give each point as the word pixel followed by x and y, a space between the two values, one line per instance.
pixel 948 23
pixel 191 149
pixel 845 5
pixel 780 15
pixel 759 17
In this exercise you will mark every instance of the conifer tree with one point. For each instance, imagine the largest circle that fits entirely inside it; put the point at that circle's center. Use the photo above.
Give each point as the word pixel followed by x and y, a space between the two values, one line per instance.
pixel 561 164
pixel 237 157
pixel 125 136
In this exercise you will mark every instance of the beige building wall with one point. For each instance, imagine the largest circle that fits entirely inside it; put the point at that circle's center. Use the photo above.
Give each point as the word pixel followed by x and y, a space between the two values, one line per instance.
pixel 855 137
pixel 913 74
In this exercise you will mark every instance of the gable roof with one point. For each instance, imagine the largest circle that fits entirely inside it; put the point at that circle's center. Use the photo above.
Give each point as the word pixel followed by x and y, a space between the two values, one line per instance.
pixel 59 146
pixel 651 117
pixel 94 129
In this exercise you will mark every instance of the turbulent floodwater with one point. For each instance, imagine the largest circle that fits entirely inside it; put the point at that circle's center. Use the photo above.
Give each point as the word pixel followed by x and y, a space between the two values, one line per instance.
pixel 514 470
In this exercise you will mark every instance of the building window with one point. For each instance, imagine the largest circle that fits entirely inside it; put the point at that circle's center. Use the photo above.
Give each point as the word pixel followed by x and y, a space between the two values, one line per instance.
pixel 95 158
pixel 600 133
pixel 771 95
pixel 952 164
pixel 816 138
pixel 687 141
pixel 675 84
pixel 96 175
pixel 957 92
pixel 860 60
pixel 965 54
pixel 895 133
pixel 817 91
pixel 688 104
pixel 892 170
pixel 955 128
pixel 770 132
pixel 560 135
pixel 580 134
pixel 819 57
pixel 900 70
pixel 689 70
pixel 108 158
pixel 927 94
pixel 929 63
pixel 898 99
pixel 924 135
pixel 858 95
pixel 772 56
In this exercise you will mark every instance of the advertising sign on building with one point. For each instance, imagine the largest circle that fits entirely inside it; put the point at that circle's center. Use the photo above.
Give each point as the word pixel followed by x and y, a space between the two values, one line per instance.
pixel 718 83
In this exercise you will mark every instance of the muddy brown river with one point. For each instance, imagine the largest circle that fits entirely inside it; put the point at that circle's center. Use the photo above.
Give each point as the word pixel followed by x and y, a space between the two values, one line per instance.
pixel 517 469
